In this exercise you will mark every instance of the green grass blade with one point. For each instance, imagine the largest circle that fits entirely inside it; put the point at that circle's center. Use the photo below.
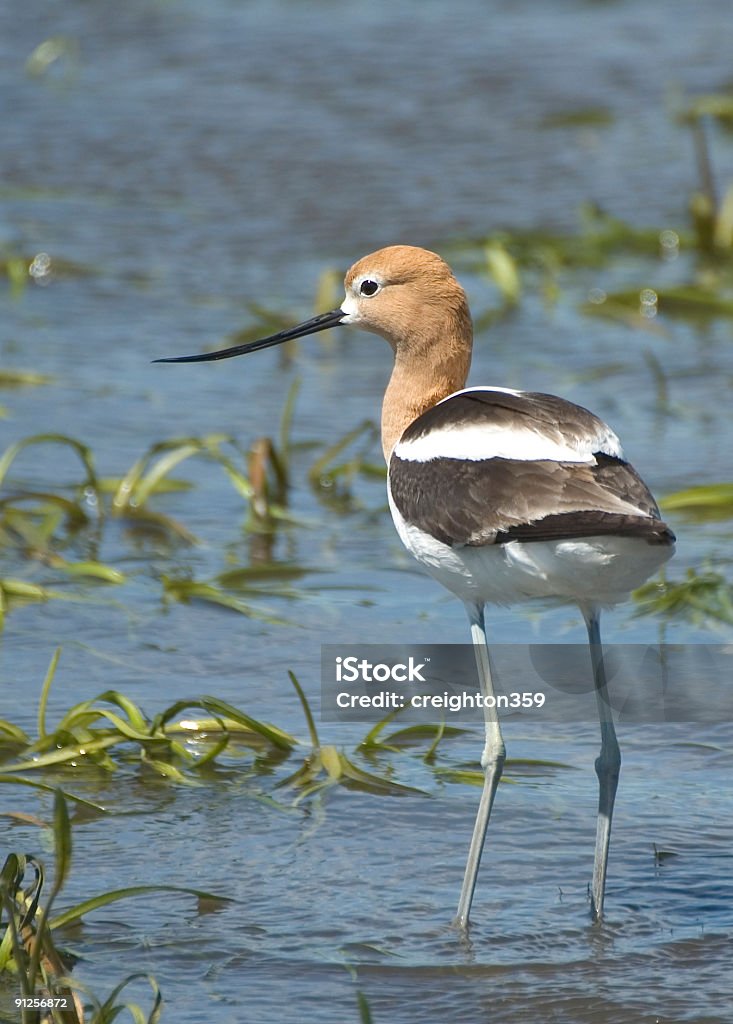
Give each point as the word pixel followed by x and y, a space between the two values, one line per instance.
pixel 320 466
pixel 168 771
pixel 471 776
pixel 62 839
pixel 412 734
pixel 164 466
pixel 23 378
pixel 217 748
pixel 45 689
pixel 439 733
pixel 277 737
pixel 503 269
pixel 133 1009
pixel 84 453
pixel 535 762
pixel 238 480
pixel 365 1014
pixel 135 716
pixel 187 590
pixel 371 738
pixel 10 731
pixel 707 502
pixel 375 783
pixel 122 495
pixel 75 913
pixel 91 569
pixel 45 787
pixel 63 848
pixel 27 591
pixel 306 709
pixel 122 727
pixel 68 753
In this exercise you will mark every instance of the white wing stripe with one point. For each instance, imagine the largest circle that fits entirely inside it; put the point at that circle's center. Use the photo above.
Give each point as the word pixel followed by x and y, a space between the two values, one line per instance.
pixel 483 441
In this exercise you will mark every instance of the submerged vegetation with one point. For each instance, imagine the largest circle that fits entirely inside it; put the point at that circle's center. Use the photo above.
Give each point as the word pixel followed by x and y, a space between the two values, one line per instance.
pixel 29 949
pixel 192 742
pixel 58 531
pixel 48 528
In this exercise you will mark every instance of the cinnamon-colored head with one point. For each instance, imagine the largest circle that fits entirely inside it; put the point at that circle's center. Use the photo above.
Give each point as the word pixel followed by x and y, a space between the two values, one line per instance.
pixel 410 297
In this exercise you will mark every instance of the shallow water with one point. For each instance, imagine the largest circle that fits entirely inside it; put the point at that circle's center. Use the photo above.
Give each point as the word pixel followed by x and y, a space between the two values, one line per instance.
pixel 198 156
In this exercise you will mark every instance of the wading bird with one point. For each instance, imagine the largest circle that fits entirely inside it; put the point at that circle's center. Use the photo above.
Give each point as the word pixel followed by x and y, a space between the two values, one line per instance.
pixel 503 495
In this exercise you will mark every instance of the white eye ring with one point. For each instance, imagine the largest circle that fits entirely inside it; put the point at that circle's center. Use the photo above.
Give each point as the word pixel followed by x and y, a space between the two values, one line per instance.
pixel 368 287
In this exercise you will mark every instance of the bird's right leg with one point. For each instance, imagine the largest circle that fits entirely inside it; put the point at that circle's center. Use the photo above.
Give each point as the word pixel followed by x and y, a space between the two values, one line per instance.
pixel 608 765
pixel 492 762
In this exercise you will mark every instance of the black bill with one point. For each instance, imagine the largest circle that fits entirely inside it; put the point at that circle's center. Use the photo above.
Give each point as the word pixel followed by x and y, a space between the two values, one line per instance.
pixel 318 323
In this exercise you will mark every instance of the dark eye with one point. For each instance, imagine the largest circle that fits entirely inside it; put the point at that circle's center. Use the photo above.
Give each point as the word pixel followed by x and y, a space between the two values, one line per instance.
pixel 368 287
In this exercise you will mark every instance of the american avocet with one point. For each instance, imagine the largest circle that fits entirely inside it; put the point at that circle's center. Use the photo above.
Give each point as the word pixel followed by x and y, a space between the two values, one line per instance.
pixel 502 495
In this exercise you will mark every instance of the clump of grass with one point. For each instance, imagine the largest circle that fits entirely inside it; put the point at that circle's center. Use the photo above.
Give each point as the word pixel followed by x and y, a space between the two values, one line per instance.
pixel 28 934
pixel 150 475
pixel 260 474
pixel 186 590
pixel 48 524
pixel 236 589
pixel 704 598
pixel 39 524
pixel 89 732
pixel 180 744
pixel 327 766
pixel 27 948
pixel 42 522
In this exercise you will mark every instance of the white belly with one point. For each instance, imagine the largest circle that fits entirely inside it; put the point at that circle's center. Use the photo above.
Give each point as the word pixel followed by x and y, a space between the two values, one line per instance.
pixel 598 571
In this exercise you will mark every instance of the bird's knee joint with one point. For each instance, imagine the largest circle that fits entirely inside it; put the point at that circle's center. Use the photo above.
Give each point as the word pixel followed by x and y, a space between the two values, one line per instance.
pixel 493 759
pixel 608 764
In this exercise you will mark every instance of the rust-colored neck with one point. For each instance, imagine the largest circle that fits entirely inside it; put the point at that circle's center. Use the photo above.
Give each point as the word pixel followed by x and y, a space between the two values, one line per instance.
pixel 410 297
pixel 427 369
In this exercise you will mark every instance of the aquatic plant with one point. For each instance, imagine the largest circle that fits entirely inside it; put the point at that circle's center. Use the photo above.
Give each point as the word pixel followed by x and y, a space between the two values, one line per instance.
pixel 704 598
pixel 29 950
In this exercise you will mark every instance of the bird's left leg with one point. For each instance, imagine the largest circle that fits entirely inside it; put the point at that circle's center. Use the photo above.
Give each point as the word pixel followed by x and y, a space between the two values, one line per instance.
pixel 608 764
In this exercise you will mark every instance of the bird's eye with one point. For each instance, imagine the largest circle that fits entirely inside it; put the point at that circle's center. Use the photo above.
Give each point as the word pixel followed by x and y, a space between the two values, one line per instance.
pixel 368 288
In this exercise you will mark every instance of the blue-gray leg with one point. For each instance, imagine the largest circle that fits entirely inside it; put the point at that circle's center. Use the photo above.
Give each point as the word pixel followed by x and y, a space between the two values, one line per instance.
pixel 608 764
